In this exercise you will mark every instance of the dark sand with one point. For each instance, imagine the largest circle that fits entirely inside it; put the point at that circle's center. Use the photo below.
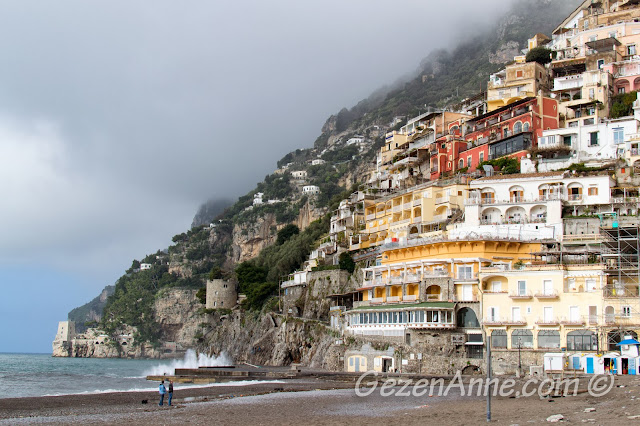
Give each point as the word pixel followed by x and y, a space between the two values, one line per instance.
pixel 302 402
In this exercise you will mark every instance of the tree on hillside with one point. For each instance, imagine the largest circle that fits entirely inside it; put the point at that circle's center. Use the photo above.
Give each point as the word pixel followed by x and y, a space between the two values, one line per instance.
pixel 287 232
pixel 541 55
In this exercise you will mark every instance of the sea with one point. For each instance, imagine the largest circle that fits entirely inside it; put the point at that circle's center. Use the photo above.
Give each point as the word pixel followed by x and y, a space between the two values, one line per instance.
pixel 23 375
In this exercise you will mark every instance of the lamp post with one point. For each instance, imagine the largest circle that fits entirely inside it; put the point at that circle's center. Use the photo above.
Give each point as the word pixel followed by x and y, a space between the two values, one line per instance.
pixel 519 358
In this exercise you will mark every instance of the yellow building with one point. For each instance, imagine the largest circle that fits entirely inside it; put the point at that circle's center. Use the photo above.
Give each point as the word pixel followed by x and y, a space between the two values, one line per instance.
pixel 547 307
pixel 418 212
pixel 427 286
pixel 517 81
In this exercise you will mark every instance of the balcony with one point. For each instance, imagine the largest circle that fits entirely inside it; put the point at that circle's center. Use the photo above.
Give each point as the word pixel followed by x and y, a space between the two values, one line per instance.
pixel 569 82
pixel 548 322
pixel 441 200
pixel 466 277
pixel 412 278
pixel 397 209
pixel 572 321
pixel 377 300
pixel 574 197
pixel 436 274
pixel 394 299
pixel 547 295
pixel 371 216
pixel 499 321
pixel 417 202
pixel 521 295
pixel 440 218
pixel 410 298
pixel 407 206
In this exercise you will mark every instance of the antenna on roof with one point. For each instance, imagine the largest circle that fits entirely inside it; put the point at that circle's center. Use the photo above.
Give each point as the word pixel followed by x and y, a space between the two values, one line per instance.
pixel 488 170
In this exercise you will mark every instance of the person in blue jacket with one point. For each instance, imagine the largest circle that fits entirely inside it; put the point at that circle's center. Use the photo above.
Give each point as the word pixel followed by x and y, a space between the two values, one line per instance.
pixel 162 391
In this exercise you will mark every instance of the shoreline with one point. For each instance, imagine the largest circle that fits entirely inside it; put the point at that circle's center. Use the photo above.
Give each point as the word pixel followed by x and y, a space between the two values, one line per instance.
pixel 318 402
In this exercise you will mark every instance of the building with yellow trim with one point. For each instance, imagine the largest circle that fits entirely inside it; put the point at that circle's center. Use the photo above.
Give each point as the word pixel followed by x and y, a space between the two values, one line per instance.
pixel 415 213
pixel 430 286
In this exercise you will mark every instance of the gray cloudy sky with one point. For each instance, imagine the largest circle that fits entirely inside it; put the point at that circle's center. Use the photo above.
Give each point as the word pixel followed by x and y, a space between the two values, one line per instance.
pixel 118 118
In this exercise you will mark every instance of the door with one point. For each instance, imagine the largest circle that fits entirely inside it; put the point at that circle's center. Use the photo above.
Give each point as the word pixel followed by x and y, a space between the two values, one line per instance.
pixel 593 314
pixel 515 314
pixel 548 287
pixel 467 292
pixel 548 314
pixel 576 363
pixel 624 365
pixel 357 361
pixel 590 365
pixel 574 314
pixel 591 284
pixel 496 287
pixel 633 367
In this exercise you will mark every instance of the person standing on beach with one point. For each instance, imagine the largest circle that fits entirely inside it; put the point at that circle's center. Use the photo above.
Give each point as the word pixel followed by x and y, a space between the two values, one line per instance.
pixel 170 391
pixel 162 391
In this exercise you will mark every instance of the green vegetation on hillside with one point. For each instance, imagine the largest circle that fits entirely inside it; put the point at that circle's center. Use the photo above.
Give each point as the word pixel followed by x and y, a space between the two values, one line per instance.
pixel 622 105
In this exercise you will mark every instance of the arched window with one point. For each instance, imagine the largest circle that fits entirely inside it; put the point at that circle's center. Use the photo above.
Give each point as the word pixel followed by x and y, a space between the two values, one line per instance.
pixel 498 339
pixel 467 318
pixel 522 339
pixel 549 339
pixel 460 163
pixel 581 340
pixel 517 128
pixel 525 128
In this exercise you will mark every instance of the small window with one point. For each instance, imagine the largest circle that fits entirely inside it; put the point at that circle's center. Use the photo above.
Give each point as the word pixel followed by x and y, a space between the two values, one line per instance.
pixel 469 161
pixel 566 140
pixel 621 91
pixel 626 311
pixel 481 157
pixel 618 135
pixel 600 63
pixel 631 49
pixel 519 74
pixel 593 190
pixel 593 139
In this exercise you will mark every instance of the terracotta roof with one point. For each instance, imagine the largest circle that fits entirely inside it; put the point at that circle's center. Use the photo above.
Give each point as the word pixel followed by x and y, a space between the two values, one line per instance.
pixel 523 175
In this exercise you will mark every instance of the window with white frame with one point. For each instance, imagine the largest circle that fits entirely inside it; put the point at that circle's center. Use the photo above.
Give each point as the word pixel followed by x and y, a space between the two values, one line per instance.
pixel 626 311
pixel 618 135
pixel 522 288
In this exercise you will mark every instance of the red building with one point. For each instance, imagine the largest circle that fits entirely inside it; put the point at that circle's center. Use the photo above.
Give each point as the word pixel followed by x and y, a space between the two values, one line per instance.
pixel 445 151
pixel 507 131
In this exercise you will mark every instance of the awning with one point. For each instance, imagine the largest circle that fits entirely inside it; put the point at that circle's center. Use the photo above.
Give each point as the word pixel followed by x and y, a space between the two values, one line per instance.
pixel 628 342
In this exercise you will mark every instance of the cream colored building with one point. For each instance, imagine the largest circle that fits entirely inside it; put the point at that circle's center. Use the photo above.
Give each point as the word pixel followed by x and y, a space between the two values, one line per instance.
pixel 516 82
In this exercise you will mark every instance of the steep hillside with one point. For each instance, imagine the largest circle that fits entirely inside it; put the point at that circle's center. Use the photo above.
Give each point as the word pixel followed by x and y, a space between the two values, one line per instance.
pixel 250 241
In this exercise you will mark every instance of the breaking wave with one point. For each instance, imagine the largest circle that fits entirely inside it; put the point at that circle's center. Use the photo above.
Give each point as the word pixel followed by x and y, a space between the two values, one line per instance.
pixel 191 360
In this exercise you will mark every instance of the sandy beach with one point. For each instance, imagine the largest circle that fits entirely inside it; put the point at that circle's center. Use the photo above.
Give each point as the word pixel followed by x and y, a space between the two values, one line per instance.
pixel 318 403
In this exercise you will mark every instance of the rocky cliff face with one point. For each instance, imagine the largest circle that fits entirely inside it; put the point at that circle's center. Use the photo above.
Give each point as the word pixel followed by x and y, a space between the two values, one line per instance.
pixel 250 238
pixel 272 340
pixel 179 314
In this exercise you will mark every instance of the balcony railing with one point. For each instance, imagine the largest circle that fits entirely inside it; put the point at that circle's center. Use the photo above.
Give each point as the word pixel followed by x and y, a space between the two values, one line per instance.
pixel 440 217
pixel 441 200
pixel 548 322
pixel 397 209
pixel 547 295
pixel 417 202
pixel 466 277
pixel 394 299
pixel 572 321
pixel 521 295
pixel 407 206
pixel 409 298
pixel 574 197
pixel 502 321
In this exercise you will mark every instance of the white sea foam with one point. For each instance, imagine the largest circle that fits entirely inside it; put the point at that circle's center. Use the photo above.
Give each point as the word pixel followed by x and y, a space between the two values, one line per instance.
pixel 191 360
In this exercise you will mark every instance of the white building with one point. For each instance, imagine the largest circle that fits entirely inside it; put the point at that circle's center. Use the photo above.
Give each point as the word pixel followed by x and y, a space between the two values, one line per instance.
pixel 310 189
pixel 299 174
pixel 355 140
pixel 593 144
pixel 529 206
pixel 145 266
pixel 257 198
pixel 317 162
